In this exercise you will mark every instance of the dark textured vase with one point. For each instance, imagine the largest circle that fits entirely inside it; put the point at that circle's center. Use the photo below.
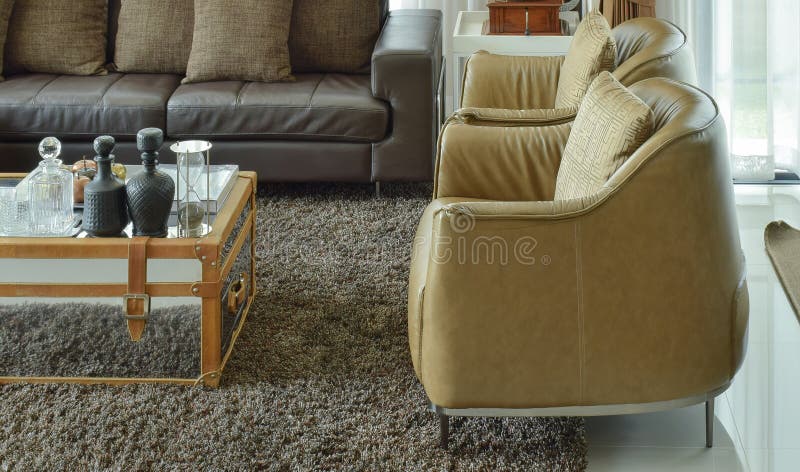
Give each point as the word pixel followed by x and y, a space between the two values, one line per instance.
pixel 105 213
pixel 150 192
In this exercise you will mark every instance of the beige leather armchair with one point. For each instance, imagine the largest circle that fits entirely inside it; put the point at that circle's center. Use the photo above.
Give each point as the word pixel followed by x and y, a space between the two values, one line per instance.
pixel 631 300
pixel 646 47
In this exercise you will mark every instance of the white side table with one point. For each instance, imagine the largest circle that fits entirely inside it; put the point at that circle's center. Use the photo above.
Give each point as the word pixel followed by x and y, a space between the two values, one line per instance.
pixel 467 39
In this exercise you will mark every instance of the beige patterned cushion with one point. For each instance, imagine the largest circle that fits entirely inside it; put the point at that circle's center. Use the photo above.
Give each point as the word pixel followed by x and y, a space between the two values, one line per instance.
pixel 243 40
pixel 58 37
pixel 593 50
pixel 334 35
pixel 153 38
pixel 611 124
pixel 5 15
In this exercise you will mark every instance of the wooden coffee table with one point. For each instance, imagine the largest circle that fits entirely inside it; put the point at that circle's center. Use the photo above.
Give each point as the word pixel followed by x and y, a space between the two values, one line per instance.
pixel 71 309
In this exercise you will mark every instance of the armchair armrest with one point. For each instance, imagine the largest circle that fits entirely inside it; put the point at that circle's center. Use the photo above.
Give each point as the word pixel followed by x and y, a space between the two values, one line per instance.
pixel 505 117
pixel 507 163
pixel 406 70
pixel 511 82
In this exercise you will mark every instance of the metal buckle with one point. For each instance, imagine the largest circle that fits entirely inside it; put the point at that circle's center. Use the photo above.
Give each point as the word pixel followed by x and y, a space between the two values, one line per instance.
pixel 143 297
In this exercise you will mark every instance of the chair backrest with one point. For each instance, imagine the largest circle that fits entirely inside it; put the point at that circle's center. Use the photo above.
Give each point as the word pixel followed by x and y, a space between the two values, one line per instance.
pixel 652 47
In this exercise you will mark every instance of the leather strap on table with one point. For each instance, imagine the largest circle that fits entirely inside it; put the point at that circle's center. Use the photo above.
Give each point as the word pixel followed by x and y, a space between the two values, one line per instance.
pixel 137 302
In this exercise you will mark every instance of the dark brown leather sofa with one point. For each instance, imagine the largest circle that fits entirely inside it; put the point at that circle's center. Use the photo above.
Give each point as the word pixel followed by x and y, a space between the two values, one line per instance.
pixel 374 127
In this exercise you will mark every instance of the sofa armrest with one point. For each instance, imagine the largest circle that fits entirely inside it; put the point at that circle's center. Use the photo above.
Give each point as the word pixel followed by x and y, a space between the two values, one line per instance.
pixel 512 82
pixel 406 70
pixel 506 163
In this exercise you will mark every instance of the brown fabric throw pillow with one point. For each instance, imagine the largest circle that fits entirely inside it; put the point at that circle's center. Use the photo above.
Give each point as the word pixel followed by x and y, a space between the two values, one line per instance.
pixel 153 37
pixel 612 123
pixel 58 37
pixel 5 15
pixel 335 35
pixel 242 40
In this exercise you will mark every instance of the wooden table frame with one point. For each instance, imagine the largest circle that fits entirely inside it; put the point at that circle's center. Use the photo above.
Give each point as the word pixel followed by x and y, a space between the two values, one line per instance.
pixel 207 250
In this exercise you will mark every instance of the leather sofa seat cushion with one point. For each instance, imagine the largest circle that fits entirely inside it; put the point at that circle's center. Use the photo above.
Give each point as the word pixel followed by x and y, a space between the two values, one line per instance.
pixel 593 50
pixel 152 38
pixel 324 107
pixel 612 123
pixel 38 105
pixel 57 37
pixel 335 35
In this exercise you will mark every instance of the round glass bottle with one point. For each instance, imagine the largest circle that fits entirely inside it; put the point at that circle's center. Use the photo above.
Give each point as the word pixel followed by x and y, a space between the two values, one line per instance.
pixel 50 198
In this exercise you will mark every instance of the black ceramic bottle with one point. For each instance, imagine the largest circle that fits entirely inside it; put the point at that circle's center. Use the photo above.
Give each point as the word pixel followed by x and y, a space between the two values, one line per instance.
pixel 150 192
pixel 105 212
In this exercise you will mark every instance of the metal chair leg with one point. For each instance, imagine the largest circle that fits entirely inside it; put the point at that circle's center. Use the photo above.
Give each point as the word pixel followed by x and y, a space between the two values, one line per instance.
pixel 710 423
pixel 444 428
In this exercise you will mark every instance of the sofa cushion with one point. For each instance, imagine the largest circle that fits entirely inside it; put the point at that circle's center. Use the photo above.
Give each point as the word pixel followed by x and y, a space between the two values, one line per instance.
pixel 593 50
pixel 153 39
pixel 247 41
pixel 325 107
pixel 612 123
pixel 57 37
pixel 334 36
pixel 39 105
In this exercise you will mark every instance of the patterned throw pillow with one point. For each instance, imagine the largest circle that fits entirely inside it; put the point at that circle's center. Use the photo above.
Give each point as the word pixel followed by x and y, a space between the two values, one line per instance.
pixel 593 50
pixel 152 38
pixel 334 35
pixel 57 37
pixel 612 123
pixel 5 15
pixel 245 42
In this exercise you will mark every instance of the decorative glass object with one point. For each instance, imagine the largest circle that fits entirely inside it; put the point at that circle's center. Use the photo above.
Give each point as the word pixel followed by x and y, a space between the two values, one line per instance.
pixel 50 197
pixel 105 212
pixel 753 167
pixel 194 173
pixel 14 217
pixel 150 192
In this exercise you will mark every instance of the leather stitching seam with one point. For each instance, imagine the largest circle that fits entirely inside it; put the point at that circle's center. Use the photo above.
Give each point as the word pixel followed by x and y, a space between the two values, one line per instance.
pixel 581 334
pixel 36 95
pixel 105 92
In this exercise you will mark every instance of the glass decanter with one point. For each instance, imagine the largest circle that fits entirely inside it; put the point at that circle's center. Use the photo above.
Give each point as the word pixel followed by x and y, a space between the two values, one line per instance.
pixel 50 198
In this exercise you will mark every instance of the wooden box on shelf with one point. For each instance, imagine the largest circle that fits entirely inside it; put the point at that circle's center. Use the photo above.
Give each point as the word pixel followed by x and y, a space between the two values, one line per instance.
pixel 533 17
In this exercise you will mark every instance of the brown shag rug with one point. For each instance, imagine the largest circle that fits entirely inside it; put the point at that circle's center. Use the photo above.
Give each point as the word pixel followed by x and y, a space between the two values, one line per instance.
pixel 320 379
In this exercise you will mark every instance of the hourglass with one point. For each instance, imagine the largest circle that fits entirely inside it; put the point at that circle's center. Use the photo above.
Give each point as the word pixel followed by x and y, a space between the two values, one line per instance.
pixel 193 168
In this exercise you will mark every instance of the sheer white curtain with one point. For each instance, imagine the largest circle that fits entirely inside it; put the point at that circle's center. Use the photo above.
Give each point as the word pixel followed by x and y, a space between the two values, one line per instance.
pixel 748 57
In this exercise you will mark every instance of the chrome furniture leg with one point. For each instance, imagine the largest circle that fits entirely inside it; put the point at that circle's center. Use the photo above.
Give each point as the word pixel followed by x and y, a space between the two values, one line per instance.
pixel 377 190
pixel 710 423
pixel 444 428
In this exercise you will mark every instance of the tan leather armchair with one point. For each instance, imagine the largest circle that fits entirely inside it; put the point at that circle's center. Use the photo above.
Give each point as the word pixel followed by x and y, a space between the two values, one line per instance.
pixel 631 300
pixel 646 47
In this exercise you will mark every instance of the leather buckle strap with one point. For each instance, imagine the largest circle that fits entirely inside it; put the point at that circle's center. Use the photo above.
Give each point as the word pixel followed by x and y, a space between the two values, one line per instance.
pixel 132 296
pixel 136 301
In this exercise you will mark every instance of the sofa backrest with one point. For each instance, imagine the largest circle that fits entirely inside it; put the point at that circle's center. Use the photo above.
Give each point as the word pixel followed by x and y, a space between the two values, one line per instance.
pixel 113 17
pixel 652 47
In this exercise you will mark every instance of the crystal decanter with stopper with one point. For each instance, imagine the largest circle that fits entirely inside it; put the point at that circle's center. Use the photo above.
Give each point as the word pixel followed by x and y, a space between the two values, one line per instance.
pixel 150 192
pixel 50 198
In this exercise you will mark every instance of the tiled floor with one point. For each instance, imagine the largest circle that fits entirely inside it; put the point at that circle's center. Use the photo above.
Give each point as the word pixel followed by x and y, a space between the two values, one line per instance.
pixel 758 418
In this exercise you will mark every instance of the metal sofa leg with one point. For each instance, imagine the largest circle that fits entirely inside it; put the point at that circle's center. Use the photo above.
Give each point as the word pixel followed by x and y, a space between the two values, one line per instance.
pixel 377 190
pixel 444 428
pixel 710 423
